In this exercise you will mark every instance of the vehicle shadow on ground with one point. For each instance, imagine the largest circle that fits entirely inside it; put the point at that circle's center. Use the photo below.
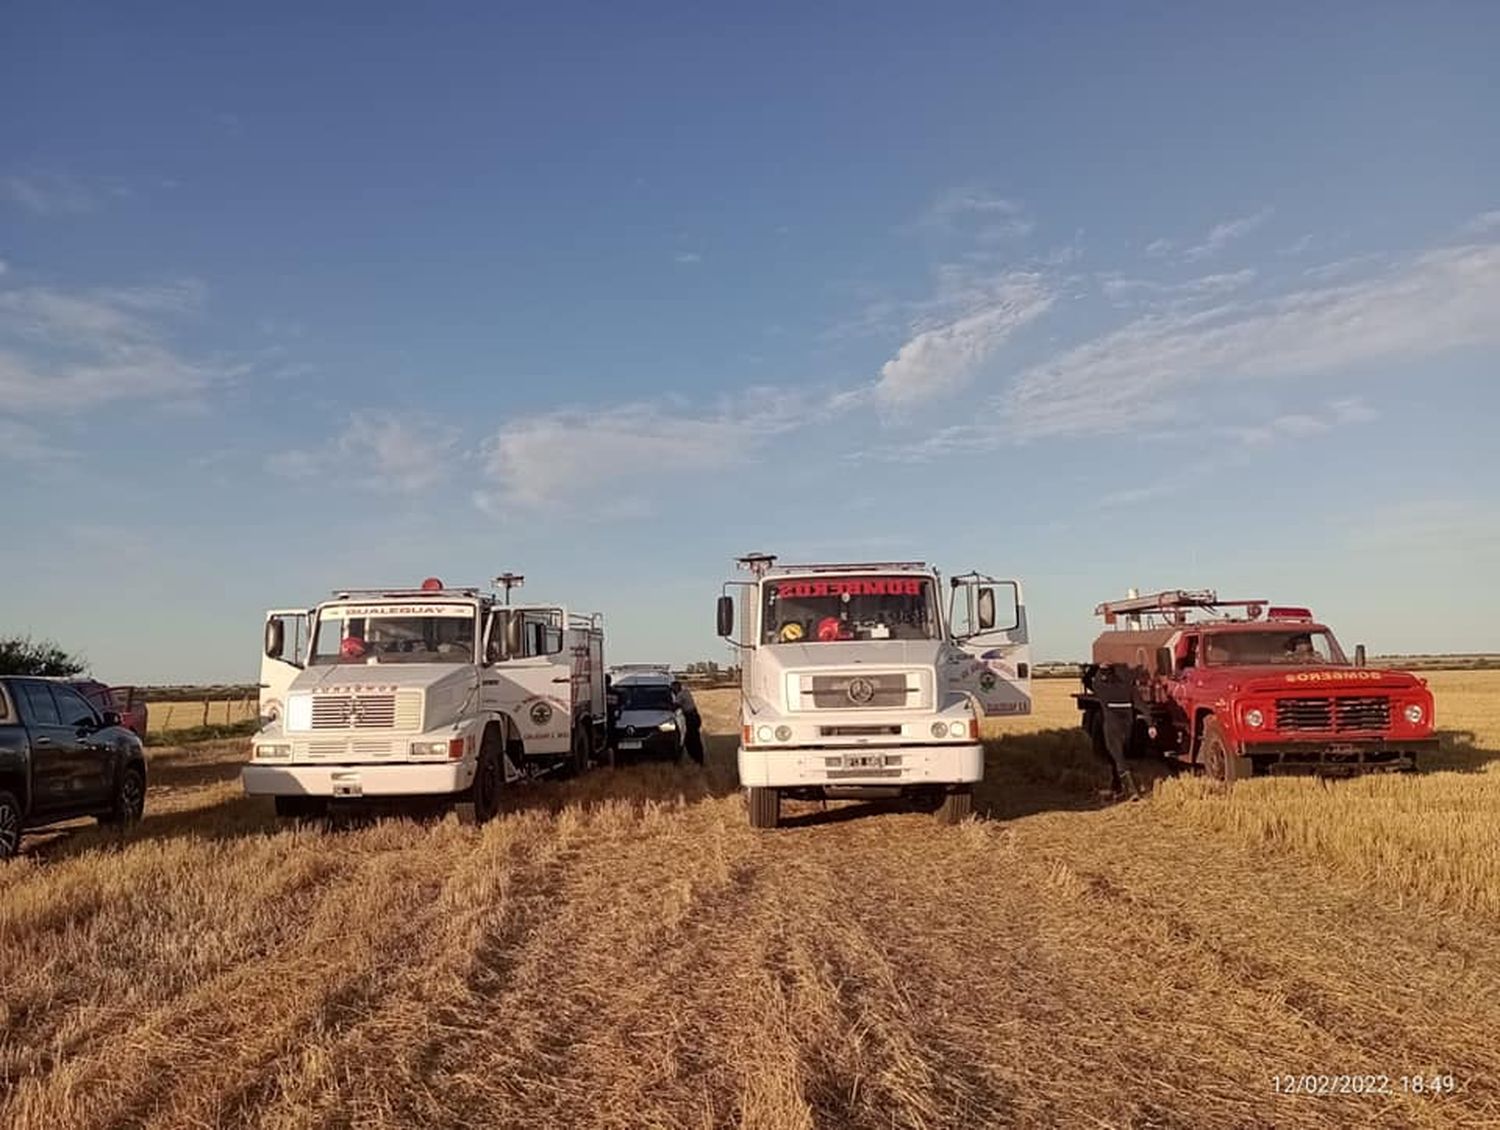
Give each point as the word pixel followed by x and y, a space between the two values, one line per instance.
pixel 1458 752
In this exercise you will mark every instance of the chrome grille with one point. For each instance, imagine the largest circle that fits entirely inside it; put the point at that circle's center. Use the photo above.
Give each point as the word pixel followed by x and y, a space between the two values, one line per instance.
pixel 361 711
pixel 1329 714
pixel 848 692
pixel 1363 713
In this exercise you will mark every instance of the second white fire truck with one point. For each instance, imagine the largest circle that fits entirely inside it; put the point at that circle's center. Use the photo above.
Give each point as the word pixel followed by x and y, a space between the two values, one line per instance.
pixel 432 692
pixel 857 681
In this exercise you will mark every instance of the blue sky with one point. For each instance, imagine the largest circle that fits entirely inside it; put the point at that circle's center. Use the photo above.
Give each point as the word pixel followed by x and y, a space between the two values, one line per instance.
pixel 351 294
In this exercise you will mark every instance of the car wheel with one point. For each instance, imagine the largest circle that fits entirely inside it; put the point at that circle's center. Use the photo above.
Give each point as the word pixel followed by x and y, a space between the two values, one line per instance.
pixel 10 825
pixel 130 800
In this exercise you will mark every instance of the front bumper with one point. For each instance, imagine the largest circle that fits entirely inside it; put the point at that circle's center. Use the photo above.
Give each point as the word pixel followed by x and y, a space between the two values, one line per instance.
pixel 412 779
pixel 861 765
pixel 648 743
pixel 1338 758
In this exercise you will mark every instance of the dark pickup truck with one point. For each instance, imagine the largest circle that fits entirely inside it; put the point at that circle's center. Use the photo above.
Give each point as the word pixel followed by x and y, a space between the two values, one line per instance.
pixel 60 759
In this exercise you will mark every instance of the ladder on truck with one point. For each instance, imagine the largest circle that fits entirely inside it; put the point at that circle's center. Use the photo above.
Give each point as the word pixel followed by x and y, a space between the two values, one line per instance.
pixel 1175 607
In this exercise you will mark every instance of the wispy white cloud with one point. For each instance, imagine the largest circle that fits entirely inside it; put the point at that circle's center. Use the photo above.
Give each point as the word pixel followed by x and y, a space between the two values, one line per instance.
pixel 687 257
pixel 1221 235
pixel 533 461
pixel 4 266
pixel 21 443
pixel 1159 247
pixel 1296 247
pixel 1122 288
pixel 977 214
pixel 378 450
pixel 1303 425
pixel 49 194
pixel 1437 301
pixel 941 357
pixel 1484 223
pixel 71 351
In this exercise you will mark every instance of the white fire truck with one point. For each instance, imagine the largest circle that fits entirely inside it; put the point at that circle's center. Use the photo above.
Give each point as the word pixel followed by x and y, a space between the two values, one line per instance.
pixel 434 691
pixel 856 682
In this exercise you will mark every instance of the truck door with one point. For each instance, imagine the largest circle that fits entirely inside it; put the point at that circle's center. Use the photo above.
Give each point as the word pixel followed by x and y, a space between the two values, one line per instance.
pixel 992 661
pixel 533 683
pixel 283 656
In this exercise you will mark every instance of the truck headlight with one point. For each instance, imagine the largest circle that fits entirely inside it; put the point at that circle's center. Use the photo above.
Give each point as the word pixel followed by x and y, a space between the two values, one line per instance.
pixel 271 751
pixel 429 749
pixel 783 733
pixel 940 729
pixel 764 734
pixel 958 729
pixel 1254 718
pixel 667 727
pixel 1414 714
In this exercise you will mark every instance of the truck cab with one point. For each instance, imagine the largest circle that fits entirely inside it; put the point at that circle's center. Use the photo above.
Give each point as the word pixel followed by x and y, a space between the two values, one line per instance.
pixel 1245 688
pixel 433 691
pixel 859 680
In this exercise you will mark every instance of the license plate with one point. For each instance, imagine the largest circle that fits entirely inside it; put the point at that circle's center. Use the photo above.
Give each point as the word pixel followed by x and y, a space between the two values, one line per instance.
pixel 630 745
pixel 869 761
pixel 348 787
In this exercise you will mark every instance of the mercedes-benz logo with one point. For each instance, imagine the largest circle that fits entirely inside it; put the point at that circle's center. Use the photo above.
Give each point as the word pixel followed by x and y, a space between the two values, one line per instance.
pixel 351 714
pixel 861 691
pixel 541 713
pixel 630 731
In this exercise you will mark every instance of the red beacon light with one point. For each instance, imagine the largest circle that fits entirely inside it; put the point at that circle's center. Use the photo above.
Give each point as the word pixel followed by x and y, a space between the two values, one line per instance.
pixel 1288 613
pixel 432 584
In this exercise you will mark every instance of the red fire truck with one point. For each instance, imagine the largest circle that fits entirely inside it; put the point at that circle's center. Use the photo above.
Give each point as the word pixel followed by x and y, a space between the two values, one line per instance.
pixel 1244 688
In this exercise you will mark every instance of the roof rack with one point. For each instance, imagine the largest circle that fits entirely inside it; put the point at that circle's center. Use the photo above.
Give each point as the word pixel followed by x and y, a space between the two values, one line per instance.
pixel 1176 606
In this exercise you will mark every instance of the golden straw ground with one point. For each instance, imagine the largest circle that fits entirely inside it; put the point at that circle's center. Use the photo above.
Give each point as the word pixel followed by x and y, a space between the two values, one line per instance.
pixel 623 951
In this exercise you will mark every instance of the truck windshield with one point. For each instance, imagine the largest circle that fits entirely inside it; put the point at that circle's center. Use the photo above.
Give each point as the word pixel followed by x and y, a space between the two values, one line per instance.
pixel 432 634
pixel 829 609
pixel 1292 647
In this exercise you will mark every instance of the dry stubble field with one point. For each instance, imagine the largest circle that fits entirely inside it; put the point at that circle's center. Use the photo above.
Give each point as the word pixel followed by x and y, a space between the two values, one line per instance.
pixel 623 951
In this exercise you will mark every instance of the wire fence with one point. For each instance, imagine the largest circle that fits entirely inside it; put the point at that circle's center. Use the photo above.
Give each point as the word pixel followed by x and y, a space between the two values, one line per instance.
pixel 190 715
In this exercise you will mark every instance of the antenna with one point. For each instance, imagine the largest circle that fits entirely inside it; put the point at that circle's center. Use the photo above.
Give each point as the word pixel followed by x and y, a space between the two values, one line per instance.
pixel 508 581
pixel 757 563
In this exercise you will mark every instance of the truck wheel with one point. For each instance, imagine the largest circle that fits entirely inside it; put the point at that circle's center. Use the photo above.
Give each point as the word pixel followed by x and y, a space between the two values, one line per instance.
pixel 1213 754
pixel 482 798
pixel 583 753
pixel 957 804
pixel 130 800
pixel 10 825
pixel 765 807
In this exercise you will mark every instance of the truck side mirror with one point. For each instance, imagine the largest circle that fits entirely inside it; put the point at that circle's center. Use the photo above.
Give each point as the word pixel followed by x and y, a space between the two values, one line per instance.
pixel 514 645
pixel 111 718
pixel 986 609
pixel 275 637
pixel 1164 661
pixel 1359 655
pixel 726 616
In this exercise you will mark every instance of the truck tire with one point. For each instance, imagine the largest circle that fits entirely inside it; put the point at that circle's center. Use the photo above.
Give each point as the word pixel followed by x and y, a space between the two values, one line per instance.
pixel 957 805
pixel 481 800
pixel 11 819
pixel 130 800
pixel 582 751
pixel 1214 756
pixel 764 806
